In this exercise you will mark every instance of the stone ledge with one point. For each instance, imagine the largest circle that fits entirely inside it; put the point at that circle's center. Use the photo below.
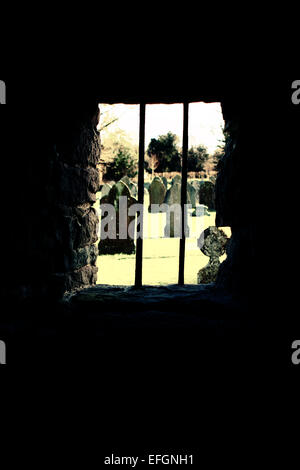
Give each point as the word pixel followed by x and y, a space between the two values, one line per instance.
pixel 180 300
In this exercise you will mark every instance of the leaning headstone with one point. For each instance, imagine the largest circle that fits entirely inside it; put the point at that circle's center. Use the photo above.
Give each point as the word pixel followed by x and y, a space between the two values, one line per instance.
pixel 207 194
pixel 118 244
pixel 212 243
pixel 157 193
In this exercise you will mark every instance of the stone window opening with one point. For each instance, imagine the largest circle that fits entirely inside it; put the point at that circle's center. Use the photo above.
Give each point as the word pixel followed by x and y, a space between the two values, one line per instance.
pixel 214 240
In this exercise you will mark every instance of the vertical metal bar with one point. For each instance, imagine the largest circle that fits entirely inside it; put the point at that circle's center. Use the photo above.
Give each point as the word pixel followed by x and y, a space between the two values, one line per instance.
pixel 185 142
pixel 139 241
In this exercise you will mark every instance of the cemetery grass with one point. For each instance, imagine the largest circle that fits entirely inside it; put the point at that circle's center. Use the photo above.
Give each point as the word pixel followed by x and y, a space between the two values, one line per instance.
pixel 160 257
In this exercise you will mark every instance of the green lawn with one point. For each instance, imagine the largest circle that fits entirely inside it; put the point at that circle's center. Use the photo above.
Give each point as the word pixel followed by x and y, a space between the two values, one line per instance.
pixel 160 255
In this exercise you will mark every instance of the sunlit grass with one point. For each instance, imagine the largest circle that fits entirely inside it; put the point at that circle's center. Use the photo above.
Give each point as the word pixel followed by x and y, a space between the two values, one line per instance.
pixel 160 256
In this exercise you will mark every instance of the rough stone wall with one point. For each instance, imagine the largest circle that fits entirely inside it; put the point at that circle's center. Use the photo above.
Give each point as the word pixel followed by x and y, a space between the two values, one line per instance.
pixel 229 209
pixel 74 181
pixel 240 198
pixel 49 184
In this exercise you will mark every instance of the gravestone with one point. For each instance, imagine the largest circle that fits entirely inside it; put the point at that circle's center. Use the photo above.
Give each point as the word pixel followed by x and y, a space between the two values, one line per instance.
pixel 134 190
pixel 157 193
pixel 207 194
pixel 196 184
pixel 127 181
pixel 192 195
pixel 173 221
pixel 118 245
pixel 164 180
pixel 173 195
pixel 214 246
pixel 176 179
pixel 105 189
pixel 131 185
pixel 146 198
pixel 200 210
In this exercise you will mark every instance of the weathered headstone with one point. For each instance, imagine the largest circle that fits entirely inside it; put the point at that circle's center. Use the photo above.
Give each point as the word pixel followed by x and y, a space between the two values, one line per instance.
pixel 157 193
pixel 164 180
pixel 146 198
pixel 134 190
pixel 200 210
pixel 119 244
pixel 173 222
pixel 192 195
pixel 214 246
pixel 105 189
pixel 173 195
pixel 127 181
pixel 196 184
pixel 207 194
pixel 131 185
pixel 176 179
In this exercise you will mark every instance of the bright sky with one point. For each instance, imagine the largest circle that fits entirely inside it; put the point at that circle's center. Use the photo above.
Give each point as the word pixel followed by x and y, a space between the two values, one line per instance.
pixel 205 122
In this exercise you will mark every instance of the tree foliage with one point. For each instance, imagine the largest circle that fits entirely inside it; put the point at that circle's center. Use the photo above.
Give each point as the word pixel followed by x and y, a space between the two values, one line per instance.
pixel 220 152
pixel 123 164
pixel 197 157
pixel 164 152
pixel 164 155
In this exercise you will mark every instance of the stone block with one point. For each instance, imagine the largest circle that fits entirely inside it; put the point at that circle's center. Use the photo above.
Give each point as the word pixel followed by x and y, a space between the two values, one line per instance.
pixel 87 229
pixel 83 147
pixel 76 185
pixel 83 277
pixel 76 259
